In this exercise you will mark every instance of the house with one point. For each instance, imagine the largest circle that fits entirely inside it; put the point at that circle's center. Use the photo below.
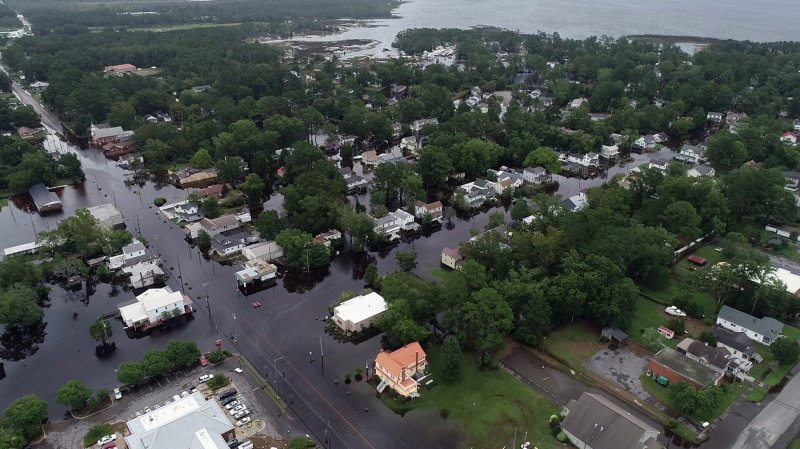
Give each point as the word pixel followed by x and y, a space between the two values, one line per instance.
pixel 212 191
pixel 187 211
pixel 576 203
pixel 369 158
pixel 267 251
pixel 719 359
pixel 189 422
pixel 359 313
pixel 715 117
pixel 659 164
pixel 103 135
pixel 326 238
pixel 609 152
pixel 590 159
pixel 545 101
pixel 25 248
pixel 392 156
pixel 201 89
pixel 733 118
pixel 119 70
pixel 477 193
pixel 409 144
pixel 144 273
pixel 762 330
pixel 701 170
pixel 192 177
pixel 646 142
pixel 149 308
pixel 789 138
pixel 129 161
pixel 535 175
pixel 452 258
pixel 738 343
pixel 676 367
pixel 792 179
pixel 419 125
pixel 107 215
pixel 398 91
pixel 578 102
pixel 44 200
pixel 661 137
pixel 392 223
pixel 26 133
pixel 255 272
pixel 598 116
pixel 595 422
pixel 401 370
pixel 40 85
pixel 507 178
pixel 796 124
pixel 132 254
pixel 229 243
pixel 121 147
pixel 434 209
pixel 613 334
pixel 214 226
pixel 693 154
pixel 354 182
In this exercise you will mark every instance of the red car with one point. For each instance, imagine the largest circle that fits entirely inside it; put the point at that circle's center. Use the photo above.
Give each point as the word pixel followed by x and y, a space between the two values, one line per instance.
pixel 203 360
pixel 256 305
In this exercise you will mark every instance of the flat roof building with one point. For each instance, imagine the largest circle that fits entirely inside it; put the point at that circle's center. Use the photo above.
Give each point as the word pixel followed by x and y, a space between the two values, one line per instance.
pixel 107 215
pixel 149 308
pixel 360 312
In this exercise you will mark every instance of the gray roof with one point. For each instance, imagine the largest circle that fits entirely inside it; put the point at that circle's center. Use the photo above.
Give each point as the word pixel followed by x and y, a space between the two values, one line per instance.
pixel 686 367
pixel 703 169
pixel 133 247
pixel 536 170
pixel 222 241
pixel 43 197
pixel 615 333
pixel 719 357
pixel 596 420
pixel 767 326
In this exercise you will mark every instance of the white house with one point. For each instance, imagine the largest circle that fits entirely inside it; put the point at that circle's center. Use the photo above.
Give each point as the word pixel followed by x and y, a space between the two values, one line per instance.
pixel 144 273
pixel 715 117
pixel 255 271
pixel 452 258
pixel 149 308
pixel 790 138
pixel 645 142
pixel 478 192
pixel 394 222
pixel 507 178
pixel 762 330
pixel 590 159
pixel 659 164
pixel 576 203
pixel 693 154
pixel 535 175
pixel 701 170
pixel 409 144
pixel 214 226
pixel 435 209
pixel 107 215
pixel 358 313
pixel 609 151
pixel 578 102
pixel 267 251
pixel 131 254
pixel 230 243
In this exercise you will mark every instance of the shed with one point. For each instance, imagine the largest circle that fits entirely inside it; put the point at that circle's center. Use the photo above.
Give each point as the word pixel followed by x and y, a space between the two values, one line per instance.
pixel 45 200
pixel 613 334
pixel 697 260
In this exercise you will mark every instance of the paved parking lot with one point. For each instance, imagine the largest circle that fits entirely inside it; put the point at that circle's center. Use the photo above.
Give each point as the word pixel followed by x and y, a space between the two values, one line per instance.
pixel 622 367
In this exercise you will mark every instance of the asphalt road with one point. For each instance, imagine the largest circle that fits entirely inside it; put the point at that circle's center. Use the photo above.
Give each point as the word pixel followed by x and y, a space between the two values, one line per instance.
pixel 770 425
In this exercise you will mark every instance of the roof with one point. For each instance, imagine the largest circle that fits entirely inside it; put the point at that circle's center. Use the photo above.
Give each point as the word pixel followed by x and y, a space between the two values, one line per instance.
pixel 429 206
pixel 696 259
pixel 43 197
pixel 134 247
pixel 221 242
pixel 703 169
pixel 106 214
pixel 736 340
pixel 219 222
pixel 180 424
pixel 119 68
pixel 405 357
pixel 360 308
pixel 270 250
pixel 454 253
pixel 719 357
pixel 156 298
pixel 615 333
pixel 768 327
pixel 686 367
pixel 596 418
pixel 99 133
pixel 212 190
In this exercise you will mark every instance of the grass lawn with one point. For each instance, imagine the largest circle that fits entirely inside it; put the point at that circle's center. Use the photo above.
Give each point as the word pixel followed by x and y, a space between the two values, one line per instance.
pixel 95 433
pixel 489 404
pixel 777 374
pixel 795 444
pixel 757 395
pixel 3 202
pixel 574 343
pixel 661 393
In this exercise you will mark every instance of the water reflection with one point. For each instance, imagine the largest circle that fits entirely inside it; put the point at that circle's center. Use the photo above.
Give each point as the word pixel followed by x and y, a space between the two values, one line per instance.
pixel 19 342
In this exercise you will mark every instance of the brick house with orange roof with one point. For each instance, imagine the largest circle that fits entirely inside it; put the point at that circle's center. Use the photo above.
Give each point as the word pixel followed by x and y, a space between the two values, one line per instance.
pixel 401 370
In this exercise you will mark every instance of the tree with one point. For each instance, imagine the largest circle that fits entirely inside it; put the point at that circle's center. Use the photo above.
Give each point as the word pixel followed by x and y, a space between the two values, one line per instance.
pixel 204 241
pixel 73 394
pixel 484 319
pixel 156 363
pixel 18 306
pixel 301 251
pixel 100 330
pixel 202 159
pixel 407 260
pixel 210 207
pixel 786 350
pixel 269 224
pixel 434 167
pixel 11 439
pixel 371 274
pixel 19 271
pixel 398 323
pixel 27 414
pixel 495 219
pixel 520 210
pixel 652 339
pixel 681 218
pixel 452 359
pixel 543 157
pixel 253 187
pixel 182 352
pixel 130 373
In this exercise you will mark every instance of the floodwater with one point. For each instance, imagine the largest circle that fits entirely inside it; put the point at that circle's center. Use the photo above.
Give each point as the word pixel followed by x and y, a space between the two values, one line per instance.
pixel 761 21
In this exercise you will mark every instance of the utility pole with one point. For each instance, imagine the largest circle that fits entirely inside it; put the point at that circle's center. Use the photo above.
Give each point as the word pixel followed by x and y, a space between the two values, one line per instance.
pixel 321 355
pixel 233 336
pixel 208 301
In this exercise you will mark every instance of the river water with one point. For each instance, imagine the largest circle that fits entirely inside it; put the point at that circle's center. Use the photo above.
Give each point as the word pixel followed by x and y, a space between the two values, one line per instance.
pixel 762 20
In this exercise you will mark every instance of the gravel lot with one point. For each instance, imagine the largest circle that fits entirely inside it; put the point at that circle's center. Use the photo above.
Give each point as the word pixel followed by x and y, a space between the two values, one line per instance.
pixel 621 366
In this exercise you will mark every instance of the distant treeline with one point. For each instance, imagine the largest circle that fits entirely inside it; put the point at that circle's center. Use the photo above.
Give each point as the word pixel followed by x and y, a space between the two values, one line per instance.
pixel 8 18
pixel 69 17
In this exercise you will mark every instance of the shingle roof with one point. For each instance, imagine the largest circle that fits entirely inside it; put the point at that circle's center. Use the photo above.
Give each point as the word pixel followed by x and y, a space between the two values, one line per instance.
pixel 719 357
pixel 596 420
pixel 767 326
pixel 687 367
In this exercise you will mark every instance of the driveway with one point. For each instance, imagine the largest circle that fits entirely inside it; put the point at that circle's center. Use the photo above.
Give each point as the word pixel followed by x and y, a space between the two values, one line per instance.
pixel 622 367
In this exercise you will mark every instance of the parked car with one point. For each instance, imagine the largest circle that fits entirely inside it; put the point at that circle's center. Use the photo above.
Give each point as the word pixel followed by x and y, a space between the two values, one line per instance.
pixel 246 444
pixel 205 378
pixel 106 439
pixel 117 394
pixel 228 393
pixel 256 305
pixel 674 311
pixel 241 414
pixel 229 400
pixel 238 408
pixel 203 360
pixel 184 394
pixel 234 443
pixel 175 397
pixel 243 421
pixel 232 404
pixel 148 410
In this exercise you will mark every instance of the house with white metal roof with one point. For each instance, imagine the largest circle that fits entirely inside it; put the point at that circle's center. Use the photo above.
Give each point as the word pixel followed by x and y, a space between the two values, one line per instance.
pixel 358 313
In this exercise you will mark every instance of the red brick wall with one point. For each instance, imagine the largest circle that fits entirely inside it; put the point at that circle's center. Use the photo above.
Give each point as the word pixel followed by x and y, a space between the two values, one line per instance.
pixel 672 376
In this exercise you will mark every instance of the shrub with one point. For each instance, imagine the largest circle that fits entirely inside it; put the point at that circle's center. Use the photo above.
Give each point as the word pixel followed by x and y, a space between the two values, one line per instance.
pixel 215 357
pixel 160 201
pixel 347 378
pixel 96 432
pixel 708 337
pixel 301 443
pixel 677 325
pixel 218 382
pixel 562 437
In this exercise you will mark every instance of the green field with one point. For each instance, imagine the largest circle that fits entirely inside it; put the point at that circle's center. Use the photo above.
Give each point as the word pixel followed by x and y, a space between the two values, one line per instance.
pixel 489 405
pixel 574 343
pixel 757 395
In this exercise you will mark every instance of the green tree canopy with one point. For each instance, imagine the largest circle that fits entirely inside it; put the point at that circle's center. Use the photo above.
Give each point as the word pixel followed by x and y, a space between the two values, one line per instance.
pixel 73 394
pixel 130 373
pixel 27 414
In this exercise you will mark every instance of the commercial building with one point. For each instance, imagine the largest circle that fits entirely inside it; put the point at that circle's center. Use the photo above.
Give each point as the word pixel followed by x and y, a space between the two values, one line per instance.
pixel 676 367
pixel 44 200
pixel 401 370
pixel 267 251
pixel 595 422
pixel 191 422
pixel 255 272
pixel 357 314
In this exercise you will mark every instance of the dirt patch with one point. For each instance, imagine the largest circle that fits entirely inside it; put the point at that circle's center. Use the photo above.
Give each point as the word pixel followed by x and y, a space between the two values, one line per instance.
pixel 623 367
pixel 267 442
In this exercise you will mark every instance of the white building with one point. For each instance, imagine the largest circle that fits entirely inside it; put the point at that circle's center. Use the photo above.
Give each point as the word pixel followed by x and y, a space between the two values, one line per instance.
pixel 394 222
pixel 535 175
pixel 452 258
pixel 255 271
pixel 762 330
pixel 267 251
pixel 107 215
pixel 609 151
pixel 359 313
pixel 131 254
pixel 149 307
pixel 144 273
pixel 590 159
pixel 435 209
pixel 214 226
pixel 693 154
